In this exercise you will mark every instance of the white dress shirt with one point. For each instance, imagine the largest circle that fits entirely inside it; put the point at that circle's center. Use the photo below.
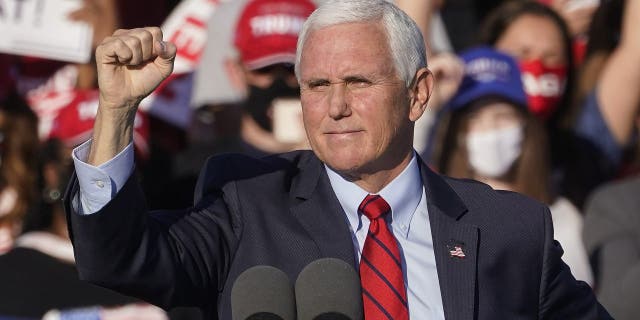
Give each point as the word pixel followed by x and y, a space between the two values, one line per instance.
pixel 98 185
pixel 405 194
pixel 410 225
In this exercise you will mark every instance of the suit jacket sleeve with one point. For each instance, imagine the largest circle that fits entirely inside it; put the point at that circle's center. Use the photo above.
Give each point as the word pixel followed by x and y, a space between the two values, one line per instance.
pixel 561 296
pixel 169 258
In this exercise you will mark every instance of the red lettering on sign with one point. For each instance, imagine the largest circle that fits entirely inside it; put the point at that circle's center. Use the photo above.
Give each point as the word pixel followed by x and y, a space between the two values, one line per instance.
pixel 190 39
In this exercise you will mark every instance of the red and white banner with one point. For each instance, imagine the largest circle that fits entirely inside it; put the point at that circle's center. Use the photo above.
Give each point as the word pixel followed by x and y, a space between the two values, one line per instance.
pixel 67 113
pixel 187 28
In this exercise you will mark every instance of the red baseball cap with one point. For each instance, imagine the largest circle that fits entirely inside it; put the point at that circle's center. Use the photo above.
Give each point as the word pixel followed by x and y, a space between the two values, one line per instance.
pixel 267 31
pixel 74 122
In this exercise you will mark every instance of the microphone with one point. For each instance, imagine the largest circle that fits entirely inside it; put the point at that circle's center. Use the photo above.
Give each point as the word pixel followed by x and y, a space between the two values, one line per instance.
pixel 328 289
pixel 263 293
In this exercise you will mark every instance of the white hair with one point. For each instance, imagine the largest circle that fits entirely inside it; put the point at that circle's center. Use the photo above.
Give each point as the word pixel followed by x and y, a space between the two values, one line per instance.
pixel 404 39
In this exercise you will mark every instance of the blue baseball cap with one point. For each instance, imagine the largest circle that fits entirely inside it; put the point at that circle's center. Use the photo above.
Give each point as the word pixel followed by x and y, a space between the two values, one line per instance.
pixel 488 73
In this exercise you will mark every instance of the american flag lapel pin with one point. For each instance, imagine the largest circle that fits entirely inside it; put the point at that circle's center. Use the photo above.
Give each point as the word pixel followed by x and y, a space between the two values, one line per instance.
pixel 456 250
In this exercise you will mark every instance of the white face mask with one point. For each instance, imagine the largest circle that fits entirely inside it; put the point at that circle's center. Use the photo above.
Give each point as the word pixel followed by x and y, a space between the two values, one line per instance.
pixel 492 153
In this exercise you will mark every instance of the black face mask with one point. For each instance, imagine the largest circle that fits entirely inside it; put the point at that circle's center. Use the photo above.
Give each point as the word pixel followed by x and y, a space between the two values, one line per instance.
pixel 259 100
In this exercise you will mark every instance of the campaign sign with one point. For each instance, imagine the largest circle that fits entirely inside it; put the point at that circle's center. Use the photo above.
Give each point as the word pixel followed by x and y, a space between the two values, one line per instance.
pixel 40 28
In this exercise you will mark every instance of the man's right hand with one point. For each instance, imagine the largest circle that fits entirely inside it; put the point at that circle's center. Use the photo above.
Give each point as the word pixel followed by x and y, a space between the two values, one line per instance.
pixel 131 64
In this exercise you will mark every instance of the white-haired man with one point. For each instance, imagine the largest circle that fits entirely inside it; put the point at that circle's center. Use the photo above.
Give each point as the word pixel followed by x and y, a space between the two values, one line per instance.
pixel 426 246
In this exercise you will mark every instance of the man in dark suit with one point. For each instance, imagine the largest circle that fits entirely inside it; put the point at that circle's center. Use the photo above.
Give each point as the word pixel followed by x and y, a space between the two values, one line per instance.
pixel 426 246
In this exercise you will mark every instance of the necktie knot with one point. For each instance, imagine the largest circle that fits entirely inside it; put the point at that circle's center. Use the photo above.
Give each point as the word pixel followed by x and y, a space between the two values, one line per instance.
pixel 373 207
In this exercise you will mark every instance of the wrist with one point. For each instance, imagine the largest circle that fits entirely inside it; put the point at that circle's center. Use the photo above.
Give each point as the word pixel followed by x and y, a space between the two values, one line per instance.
pixel 112 132
pixel 114 107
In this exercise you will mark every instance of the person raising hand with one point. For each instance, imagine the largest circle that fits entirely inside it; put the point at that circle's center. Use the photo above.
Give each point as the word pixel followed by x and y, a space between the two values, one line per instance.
pixel 130 64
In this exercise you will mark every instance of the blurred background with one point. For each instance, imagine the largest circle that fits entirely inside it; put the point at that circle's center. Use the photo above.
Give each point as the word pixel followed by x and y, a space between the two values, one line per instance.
pixel 538 97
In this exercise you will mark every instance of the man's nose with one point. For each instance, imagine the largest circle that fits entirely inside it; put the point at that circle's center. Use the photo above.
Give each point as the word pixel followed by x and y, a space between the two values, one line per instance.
pixel 338 105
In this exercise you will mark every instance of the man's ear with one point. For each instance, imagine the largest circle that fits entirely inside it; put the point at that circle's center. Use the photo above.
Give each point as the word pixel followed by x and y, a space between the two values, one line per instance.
pixel 419 93
pixel 235 73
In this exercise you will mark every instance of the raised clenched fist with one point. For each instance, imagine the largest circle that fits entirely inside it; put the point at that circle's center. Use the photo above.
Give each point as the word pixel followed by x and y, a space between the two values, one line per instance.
pixel 131 64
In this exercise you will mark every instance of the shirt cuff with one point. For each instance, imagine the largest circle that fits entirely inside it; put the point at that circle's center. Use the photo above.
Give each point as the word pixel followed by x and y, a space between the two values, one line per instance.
pixel 98 185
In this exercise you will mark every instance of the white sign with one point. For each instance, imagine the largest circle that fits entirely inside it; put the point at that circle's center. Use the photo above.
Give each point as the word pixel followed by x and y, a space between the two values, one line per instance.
pixel 40 28
pixel 186 27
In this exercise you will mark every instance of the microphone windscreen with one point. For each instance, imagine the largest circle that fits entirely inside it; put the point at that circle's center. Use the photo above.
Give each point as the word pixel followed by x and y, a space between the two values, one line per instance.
pixel 263 292
pixel 328 289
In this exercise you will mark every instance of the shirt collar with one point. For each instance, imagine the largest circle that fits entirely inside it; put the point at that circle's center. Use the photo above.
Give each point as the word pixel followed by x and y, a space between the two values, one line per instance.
pixel 403 195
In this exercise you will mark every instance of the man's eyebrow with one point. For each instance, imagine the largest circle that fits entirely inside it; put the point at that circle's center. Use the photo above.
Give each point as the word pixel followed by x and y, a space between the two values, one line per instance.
pixel 312 81
pixel 356 77
pixel 351 77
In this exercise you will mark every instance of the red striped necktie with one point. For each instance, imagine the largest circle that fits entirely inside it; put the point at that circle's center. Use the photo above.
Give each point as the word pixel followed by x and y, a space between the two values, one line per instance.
pixel 383 292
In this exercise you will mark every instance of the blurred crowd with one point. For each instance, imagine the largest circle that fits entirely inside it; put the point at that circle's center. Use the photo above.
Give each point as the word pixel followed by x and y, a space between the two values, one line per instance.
pixel 538 97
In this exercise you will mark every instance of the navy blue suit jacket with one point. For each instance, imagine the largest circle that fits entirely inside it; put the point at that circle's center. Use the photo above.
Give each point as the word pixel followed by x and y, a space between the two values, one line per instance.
pixel 281 211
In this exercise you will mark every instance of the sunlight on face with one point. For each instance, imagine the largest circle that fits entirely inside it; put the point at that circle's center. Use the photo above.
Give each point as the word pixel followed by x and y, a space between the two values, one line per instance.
pixel 355 107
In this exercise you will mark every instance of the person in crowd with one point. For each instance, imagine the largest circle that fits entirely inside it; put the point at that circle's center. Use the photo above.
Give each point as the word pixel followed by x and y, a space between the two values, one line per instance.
pixel 216 115
pixel 264 68
pixel 445 247
pixel 611 233
pixel 38 274
pixel 443 63
pixel 609 87
pixel 18 167
pixel 541 42
pixel 27 73
pixel 607 95
pixel 103 17
pixel 448 71
pixel 426 14
pixel 489 134
pixel 260 68
pixel 578 16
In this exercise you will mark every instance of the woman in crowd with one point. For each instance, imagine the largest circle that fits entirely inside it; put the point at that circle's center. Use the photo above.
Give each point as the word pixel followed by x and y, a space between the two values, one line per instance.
pixel 487 133
pixel 540 40
pixel 608 98
pixel 18 167
pixel 38 274
pixel 609 86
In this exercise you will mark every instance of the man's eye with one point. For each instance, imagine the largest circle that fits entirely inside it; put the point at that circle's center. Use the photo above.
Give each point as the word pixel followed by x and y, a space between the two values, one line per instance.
pixel 317 84
pixel 358 83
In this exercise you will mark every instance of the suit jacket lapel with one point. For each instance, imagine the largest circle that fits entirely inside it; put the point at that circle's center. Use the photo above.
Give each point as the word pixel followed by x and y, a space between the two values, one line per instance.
pixel 317 209
pixel 455 246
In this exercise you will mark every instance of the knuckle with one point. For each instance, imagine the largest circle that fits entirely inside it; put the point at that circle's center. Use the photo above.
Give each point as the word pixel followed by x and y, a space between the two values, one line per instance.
pixel 123 51
pixel 155 31
pixel 145 36
pixel 132 42
pixel 120 43
pixel 100 47
pixel 105 42
pixel 120 31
